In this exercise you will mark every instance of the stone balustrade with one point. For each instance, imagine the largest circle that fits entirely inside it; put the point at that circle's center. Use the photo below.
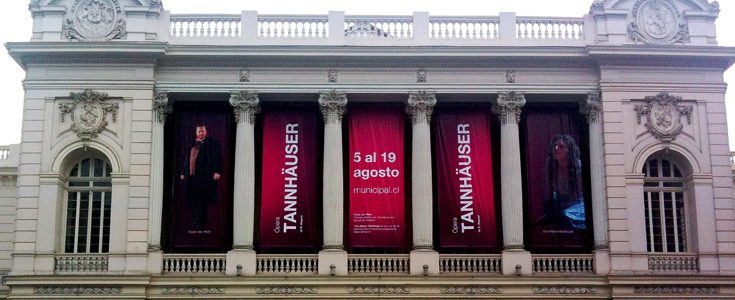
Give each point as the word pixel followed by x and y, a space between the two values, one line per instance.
pixel 469 264
pixel 673 263
pixel 294 264
pixel 564 263
pixel 396 264
pixel 80 263
pixel 201 264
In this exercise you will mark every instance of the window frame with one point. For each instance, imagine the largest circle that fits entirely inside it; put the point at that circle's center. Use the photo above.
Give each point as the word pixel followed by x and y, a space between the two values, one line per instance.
pixel 671 189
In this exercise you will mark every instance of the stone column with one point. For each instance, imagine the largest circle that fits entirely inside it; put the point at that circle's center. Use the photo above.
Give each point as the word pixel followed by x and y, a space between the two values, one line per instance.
pixel 509 107
pixel 246 107
pixel 420 106
pixel 592 109
pixel 161 107
pixel 333 105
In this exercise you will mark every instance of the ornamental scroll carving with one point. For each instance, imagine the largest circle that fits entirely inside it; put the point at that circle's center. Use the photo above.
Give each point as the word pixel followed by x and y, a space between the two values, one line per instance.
pixel 379 290
pixel 509 107
pixel 286 290
pixel 246 106
pixel 664 116
pixel 332 104
pixel 676 290
pixel 657 22
pixel 420 106
pixel 591 108
pixel 95 20
pixel 564 290
pixel 193 290
pixel 88 113
pixel 162 107
pixel 471 290
pixel 75 290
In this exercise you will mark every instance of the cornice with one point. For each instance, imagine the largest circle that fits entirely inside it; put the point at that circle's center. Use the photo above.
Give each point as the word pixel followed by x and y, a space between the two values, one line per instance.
pixel 632 54
pixel 79 52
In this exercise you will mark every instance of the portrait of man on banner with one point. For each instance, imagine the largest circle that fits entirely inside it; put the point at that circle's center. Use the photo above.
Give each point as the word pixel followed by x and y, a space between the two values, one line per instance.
pixel 201 171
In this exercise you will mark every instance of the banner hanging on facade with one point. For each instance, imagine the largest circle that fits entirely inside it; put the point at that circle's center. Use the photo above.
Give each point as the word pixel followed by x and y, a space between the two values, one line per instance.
pixel 465 173
pixel 288 205
pixel 376 179
pixel 555 187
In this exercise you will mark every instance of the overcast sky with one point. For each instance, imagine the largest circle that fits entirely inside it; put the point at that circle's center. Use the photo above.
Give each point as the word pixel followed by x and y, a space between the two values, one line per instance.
pixel 15 21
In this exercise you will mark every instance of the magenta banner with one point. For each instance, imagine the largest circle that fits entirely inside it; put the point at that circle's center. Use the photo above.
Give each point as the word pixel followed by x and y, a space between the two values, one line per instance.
pixel 554 172
pixel 376 179
pixel 288 206
pixel 465 173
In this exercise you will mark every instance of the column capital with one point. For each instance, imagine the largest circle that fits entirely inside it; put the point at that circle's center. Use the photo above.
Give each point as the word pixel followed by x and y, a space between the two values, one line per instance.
pixel 420 106
pixel 591 107
pixel 161 107
pixel 333 105
pixel 246 105
pixel 509 106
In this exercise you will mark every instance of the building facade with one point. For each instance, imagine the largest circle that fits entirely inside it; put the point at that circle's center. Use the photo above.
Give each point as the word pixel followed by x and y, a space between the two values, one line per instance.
pixel 251 156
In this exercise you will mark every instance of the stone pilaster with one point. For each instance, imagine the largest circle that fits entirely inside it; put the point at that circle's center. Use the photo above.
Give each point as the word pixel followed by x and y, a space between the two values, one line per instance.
pixel 419 107
pixel 161 108
pixel 246 106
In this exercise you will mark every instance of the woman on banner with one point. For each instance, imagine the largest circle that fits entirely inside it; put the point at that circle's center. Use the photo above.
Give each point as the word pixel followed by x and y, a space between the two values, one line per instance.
pixel 562 185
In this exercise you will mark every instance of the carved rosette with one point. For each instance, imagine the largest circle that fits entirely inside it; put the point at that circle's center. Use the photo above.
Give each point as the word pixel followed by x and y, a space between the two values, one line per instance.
pixel 471 290
pixel 246 106
pixel 162 107
pixel 286 290
pixel 509 107
pixel 88 113
pixel 664 116
pixel 75 290
pixel 657 22
pixel 379 290
pixel 676 290
pixel 95 20
pixel 420 106
pixel 333 105
pixel 591 108
pixel 192 290
pixel 564 290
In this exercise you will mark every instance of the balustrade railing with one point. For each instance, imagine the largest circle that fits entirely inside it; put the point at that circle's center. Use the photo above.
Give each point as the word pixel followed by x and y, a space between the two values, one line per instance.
pixel 399 27
pixel 469 264
pixel 4 152
pixel 377 264
pixel 550 28
pixel 571 263
pixel 481 28
pixel 218 26
pixel 287 264
pixel 309 26
pixel 214 264
pixel 80 263
pixel 673 263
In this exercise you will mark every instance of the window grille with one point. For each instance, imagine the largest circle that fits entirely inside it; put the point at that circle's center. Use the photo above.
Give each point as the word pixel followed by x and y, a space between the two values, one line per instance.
pixel 665 209
pixel 88 205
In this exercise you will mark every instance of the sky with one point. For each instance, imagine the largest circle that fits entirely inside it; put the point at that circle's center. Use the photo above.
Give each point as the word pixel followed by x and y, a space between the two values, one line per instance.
pixel 16 21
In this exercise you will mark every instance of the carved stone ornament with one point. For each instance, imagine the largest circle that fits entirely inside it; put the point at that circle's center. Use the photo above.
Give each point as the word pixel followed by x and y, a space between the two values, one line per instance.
pixel 421 76
pixel 657 22
pixel 246 106
pixel 664 120
pixel 76 290
pixel 162 107
pixel 95 20
pixel 420 106
pixel 509 106
pixel 510 77
pixel 676 290
pixel 192 290
pixel 286 290
pixel 471 290
pixel 379 290
pixel 332 104
pixel 88 113
pixel 244 75
pixel 564 290
pixel 155 1
pixel 332 76
pixel 591 108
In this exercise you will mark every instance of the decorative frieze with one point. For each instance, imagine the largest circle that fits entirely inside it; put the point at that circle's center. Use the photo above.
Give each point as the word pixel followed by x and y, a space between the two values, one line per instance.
pixel 333 105
pixel 88 113
pixel 246 105
pixel 657 22
pixel 162 107
pixel 591 108
pixel 664 114
pixel 76 290
pixel 379 290
pixel 564 290
pixel 471 290
pixel 192 290
pixel 420 106
pixel 676 290
pixel 95 20
pixel 509 106
pixel 286 290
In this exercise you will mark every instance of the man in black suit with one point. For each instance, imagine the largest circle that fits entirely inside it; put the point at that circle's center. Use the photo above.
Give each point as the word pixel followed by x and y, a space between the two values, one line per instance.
pixel 201 172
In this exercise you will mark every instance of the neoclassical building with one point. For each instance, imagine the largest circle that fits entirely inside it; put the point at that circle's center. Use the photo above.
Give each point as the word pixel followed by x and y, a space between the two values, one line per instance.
pixel 248 156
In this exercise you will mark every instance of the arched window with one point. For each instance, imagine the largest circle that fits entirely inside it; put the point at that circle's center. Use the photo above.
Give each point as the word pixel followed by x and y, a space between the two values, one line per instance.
pixel 88 203
pixel 665 208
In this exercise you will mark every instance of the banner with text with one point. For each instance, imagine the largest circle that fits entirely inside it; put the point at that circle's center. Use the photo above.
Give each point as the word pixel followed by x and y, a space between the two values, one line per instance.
pixel 288 206
pixel 376 179
pixel 465 173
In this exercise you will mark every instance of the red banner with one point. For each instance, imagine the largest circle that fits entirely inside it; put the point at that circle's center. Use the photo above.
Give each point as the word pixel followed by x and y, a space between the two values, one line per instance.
pixel 376 179
pixel 288 206
pixel 465 173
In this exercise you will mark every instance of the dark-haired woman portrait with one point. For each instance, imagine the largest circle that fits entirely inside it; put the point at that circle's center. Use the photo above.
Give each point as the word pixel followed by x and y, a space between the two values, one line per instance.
pixel 562 185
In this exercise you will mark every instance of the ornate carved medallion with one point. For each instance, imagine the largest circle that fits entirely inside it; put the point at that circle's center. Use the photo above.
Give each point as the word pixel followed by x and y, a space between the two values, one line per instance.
pixel 88 113
pixel 657 22
pixel 664 116
pixel 95 20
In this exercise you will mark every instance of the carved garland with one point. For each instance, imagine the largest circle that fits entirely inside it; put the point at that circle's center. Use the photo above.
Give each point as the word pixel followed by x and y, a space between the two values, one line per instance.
pixel 193 290
pixel 379 290
pixel 75 290
pixel 563 290
pixel 657 22
pixel 664 116
pixel 95 20
pixel 676 290
pixel 88 113
pixel 286 290
pixel 471 290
